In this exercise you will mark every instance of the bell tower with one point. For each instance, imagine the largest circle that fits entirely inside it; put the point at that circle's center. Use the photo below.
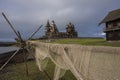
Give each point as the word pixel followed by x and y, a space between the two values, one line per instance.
pixel 47 28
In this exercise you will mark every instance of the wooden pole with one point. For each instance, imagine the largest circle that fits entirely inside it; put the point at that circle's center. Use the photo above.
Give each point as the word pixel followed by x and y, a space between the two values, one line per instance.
pixel 25 61
pixel 8 60
pixel 10 25
pixel 35 32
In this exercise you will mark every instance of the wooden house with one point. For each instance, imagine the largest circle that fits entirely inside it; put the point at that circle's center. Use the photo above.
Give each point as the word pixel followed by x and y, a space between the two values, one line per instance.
pixel 112 29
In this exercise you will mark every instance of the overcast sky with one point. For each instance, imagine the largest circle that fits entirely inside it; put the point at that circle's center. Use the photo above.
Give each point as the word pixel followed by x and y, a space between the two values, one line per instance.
pixel 28 15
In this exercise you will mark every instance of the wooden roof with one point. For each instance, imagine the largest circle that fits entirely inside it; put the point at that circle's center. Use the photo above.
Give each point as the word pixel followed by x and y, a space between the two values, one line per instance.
pixel 113 15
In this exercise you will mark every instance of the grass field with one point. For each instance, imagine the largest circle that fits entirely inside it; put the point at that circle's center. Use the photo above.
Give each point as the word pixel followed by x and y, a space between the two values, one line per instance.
pixel 17 71
pixel 93 42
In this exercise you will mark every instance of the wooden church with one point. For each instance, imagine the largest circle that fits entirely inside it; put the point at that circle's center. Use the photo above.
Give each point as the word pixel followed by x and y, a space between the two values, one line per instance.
pixel 51 31
pixel 112 21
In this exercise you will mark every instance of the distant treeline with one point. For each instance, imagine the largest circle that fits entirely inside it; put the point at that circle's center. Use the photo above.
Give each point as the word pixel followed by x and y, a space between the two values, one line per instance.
pixel 2 44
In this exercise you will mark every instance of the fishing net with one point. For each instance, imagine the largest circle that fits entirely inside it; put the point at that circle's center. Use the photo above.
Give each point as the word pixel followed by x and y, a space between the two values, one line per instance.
pixel 85 62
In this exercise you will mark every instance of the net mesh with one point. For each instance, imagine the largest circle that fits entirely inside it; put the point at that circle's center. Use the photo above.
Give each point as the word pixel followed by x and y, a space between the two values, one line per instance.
pixel 85 62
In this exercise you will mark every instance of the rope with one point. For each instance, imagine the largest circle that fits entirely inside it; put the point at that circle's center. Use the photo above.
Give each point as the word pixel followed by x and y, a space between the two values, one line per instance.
pixel 47 75
pixel 8 60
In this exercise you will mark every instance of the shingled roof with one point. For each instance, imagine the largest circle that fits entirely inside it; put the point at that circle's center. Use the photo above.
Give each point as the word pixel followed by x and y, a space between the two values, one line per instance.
pixel 113 15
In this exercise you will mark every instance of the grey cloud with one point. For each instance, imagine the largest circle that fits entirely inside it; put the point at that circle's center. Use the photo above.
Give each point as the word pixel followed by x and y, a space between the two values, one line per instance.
pixel 27 15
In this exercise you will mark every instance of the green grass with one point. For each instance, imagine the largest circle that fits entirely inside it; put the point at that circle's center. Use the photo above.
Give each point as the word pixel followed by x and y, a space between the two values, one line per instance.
pixel 93 42
pixel 18 72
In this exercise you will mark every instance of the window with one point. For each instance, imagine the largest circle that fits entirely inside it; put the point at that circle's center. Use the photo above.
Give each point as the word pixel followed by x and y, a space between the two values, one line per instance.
pixel 110 25
pixel 110 35
pixel 119 34
pixel 115 24
pixel 118 24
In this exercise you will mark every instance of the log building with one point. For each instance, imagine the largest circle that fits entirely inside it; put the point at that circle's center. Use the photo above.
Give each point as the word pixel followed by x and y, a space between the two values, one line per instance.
pixel 51 31
pixel 112 21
